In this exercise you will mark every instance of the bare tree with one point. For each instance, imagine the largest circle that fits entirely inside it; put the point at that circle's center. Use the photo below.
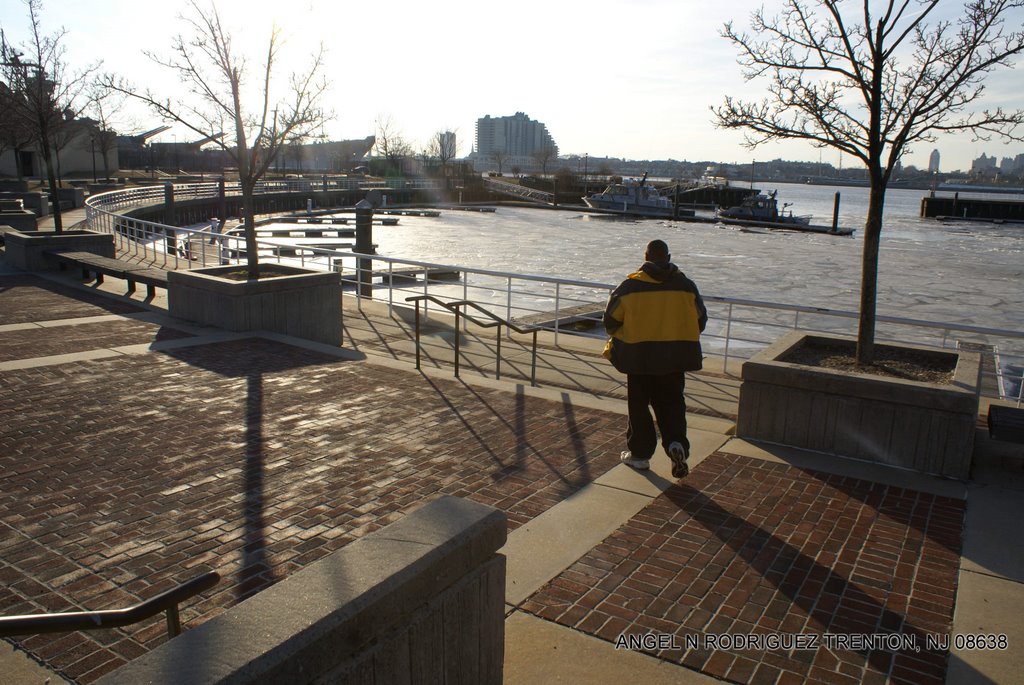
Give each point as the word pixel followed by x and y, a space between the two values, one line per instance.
pixel 441 147
pixel 498 157
pixel 447 146
pixel 544 156
pixel 41 90
pixel 104 106
pixel 390 143
pixel 14 134
pixel 218 107
pixel 872 87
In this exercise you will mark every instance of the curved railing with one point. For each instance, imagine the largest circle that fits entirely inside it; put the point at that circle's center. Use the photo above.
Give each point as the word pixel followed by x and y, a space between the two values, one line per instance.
pixel 739 328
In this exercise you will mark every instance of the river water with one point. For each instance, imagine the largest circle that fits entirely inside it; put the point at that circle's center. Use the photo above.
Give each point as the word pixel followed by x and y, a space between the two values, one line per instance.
pixel 967 273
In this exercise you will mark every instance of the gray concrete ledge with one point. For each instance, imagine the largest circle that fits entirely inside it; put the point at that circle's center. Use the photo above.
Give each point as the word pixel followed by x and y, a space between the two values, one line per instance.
pixel 310 625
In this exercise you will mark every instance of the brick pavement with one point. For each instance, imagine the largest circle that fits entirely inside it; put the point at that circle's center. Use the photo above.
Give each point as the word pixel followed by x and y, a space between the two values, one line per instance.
pixel 25 299
pixel 44 342
pixel 744 547
pixel 125 475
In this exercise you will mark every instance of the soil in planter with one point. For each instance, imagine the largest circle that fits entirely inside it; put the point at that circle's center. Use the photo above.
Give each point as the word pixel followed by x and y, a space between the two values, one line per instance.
pixel 242 274
pixel 894 362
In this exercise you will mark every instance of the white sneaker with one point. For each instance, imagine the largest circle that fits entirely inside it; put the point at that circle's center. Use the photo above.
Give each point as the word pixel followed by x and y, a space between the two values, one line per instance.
pixel 677 453
pixel 638 464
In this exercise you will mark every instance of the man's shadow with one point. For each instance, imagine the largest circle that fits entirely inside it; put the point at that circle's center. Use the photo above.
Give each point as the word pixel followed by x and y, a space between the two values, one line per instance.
pixel 838 602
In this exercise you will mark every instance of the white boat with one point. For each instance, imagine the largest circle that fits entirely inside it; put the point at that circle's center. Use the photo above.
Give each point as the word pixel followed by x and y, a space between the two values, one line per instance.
pixel 634 197
pixel 762 208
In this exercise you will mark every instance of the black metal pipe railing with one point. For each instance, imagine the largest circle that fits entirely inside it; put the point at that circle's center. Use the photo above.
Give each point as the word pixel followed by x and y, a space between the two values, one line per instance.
pixel 455 306
pixel 12 626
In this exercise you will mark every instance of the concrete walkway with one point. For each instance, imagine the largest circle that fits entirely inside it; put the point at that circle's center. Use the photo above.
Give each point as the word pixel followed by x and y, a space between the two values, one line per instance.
pixel 757 540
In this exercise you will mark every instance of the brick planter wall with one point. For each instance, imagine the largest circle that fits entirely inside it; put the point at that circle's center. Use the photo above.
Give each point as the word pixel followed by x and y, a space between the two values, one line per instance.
pixel 305 304
pixel 926 427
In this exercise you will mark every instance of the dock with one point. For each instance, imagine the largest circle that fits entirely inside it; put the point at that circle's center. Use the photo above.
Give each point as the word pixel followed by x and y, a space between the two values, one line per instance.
pixel 329 220
pixel 581 318
pixel 410 212
pixel 957 208
pixel 298 232
pixel 769 226
pixel 416 273
pixel 404 275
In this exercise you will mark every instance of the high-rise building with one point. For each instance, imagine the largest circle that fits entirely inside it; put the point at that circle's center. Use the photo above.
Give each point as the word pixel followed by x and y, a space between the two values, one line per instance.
pixel 516 137
pixel 933 162
pixel 984 165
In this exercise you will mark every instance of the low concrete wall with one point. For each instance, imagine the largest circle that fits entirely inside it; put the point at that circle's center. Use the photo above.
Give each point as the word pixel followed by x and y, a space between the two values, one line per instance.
pixel 926 427
pixel 19 219
pixel 26 250
pixel 74 197
pixel 306 304
pixel 419 601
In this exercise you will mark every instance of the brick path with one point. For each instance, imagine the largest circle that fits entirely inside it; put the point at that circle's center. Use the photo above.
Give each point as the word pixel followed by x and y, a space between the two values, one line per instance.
pixel 43 342
pixel 25 299
pixel 126 475
pixel 747 547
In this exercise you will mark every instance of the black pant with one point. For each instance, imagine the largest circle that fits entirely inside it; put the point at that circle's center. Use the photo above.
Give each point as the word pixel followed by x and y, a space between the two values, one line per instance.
pixel 665 394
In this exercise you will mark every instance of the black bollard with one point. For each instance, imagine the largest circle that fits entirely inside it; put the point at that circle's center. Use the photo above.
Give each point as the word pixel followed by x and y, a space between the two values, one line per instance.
pixel 172 242
pixel 835 214
pixel 169 204
pixel 364 245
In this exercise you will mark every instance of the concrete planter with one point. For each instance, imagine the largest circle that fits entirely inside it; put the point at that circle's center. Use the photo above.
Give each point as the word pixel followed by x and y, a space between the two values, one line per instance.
pixel 304 303
pixel 27 250
pixel 927 427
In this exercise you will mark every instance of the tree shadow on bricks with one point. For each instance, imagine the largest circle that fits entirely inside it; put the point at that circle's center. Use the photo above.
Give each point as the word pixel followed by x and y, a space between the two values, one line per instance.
pixel 254 360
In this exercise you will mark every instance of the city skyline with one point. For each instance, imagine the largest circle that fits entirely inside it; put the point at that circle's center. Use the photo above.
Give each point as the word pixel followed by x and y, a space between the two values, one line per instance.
pixel 608 78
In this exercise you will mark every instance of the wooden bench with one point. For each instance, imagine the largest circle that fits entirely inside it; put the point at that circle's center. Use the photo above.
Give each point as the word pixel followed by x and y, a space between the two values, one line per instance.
pixel 1006 423
pixel 152 278
pixel 90 263
pixel 94 264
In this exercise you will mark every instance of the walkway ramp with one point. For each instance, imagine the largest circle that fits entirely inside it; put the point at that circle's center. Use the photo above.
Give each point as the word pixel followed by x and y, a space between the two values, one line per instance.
pixel 518 191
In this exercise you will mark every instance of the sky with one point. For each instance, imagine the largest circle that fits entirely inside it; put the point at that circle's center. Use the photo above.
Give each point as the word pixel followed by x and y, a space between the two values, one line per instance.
pixel 610 78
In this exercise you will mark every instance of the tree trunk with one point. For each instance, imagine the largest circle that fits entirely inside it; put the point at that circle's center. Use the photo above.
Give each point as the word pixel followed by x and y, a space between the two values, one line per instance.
pixel 51 177
pixel 19 163
pixel 869 273
pixel 249 216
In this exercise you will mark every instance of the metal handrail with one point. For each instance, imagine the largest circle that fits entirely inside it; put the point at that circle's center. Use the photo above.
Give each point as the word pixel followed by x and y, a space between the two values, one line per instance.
pixel 738 335
pixel 35 624
pixel 455 306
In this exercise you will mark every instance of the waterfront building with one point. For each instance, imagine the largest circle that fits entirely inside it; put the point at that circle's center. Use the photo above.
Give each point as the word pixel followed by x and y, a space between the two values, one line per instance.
pixel 518 138
pixel 933 162
pixel 983 165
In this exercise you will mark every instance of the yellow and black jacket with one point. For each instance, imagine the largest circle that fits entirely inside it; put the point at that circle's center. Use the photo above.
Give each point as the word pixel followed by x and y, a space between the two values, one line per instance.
pixel 655 318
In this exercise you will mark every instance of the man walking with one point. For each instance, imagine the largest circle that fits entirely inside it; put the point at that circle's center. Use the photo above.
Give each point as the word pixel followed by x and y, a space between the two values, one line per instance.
pixel 655 318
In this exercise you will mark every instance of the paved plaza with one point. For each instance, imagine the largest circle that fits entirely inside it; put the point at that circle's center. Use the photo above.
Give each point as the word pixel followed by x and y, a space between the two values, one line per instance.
pixel 137 452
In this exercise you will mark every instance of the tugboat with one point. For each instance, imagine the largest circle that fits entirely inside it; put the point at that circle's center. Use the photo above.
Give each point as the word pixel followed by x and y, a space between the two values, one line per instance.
pixel 762 211
pixel 635 198
pixel 765 210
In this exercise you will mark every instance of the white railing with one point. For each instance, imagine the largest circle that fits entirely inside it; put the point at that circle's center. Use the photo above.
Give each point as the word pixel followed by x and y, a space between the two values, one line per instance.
pixel 737 328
